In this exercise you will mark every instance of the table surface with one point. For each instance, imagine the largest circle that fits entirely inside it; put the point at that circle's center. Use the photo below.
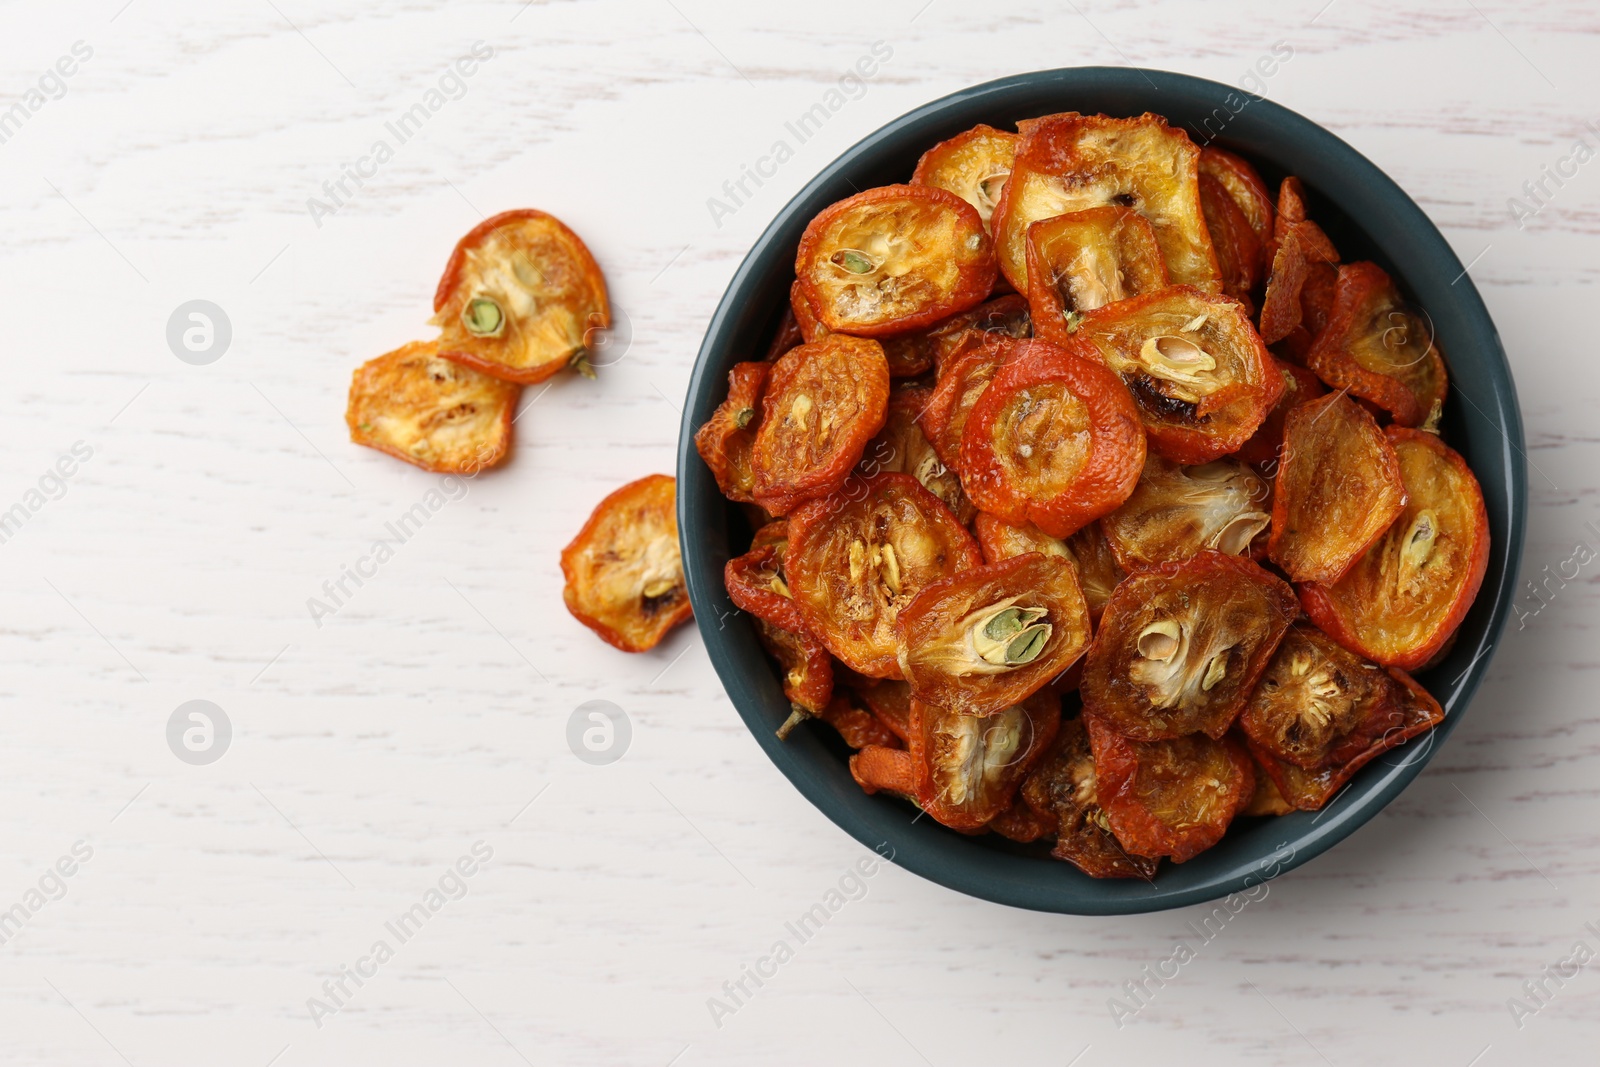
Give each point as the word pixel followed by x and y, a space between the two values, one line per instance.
pixel 213 910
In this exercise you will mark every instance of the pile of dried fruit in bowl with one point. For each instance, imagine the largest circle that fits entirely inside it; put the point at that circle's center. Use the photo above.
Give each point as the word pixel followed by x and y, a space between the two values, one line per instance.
pixel 1084 409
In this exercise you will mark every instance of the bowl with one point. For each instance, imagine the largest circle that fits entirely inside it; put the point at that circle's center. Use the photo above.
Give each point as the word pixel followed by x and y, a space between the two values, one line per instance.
pixel 1368 216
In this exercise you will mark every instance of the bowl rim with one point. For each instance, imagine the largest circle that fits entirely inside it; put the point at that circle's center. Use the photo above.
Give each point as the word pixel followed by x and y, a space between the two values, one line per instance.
pixel 1004 884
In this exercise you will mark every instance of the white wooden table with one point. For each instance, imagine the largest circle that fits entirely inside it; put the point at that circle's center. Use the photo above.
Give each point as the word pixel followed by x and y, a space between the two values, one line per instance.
pixel 429 713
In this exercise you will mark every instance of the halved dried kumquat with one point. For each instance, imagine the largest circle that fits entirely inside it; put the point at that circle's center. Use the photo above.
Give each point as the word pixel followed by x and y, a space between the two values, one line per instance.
pixel 1180 646
pixel 624 571
pixel 1080 262
pixel 424 409
pixel 1175 511
pixel 982 640
pixel 1338 488
pixel 1070 162
pixel 856 558
pixel 823 402
pixel 974 165
pixel 726 440
pixel 894 259
pixel 1063 788
pixel 521 298
pixel 969 767
pixel 1055 440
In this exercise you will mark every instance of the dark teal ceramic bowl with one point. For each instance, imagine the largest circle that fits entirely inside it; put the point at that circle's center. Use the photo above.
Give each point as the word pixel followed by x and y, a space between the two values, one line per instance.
pixel 1369 217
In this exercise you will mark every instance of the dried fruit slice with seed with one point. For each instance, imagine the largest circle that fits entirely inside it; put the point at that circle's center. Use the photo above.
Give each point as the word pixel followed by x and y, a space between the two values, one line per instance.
pixel 521 298
pixel 1063 788
pixel 1055 440
pixel 1407 711
pixel 726 439
pixel 1175 511
pixel 1080 262
pixel 441 416
pixel 968 768
pixel 1406 596
pixel 1180 646
pixel 857 558
pixel 1338 489
pixel 1169 798
pixel 974 165
pixel 894 259
pixel 624 573
pixel 1070 162
pixel 1379 348
pixel 1320 705
pixel 1195 366
pixel 982 640
pixel 823 402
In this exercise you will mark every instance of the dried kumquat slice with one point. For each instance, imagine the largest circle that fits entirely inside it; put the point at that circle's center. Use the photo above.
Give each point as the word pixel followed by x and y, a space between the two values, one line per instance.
pixel 429 411
pixel 521 298
pixel 624 571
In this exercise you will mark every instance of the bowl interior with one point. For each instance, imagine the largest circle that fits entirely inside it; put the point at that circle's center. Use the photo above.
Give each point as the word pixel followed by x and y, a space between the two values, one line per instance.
pixel 1368 217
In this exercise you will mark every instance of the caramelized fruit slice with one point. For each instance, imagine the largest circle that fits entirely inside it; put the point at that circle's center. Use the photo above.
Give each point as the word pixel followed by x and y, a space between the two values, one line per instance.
pixel 1176 511
pixel 1064 790
pixel 624 572
pixel 1180 646
pixel 424 409
pixel 520 298
pixel 982 640
pixel 894 259
pixel 1338 489
pixel 974 165
pixel 1083 261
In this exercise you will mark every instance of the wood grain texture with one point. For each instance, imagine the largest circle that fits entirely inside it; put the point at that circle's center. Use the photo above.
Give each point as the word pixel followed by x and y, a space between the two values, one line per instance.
pixel 372 752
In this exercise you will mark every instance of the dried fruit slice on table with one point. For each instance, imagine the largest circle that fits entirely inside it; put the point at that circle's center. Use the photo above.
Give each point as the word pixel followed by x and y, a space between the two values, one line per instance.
pixel 1082 261
pixel 624 572
pixel 1175 511
pixel 1055 440
pixel 1379 348
pixel 1322 712
pixel 1195 366
pixel 1338 489
pixel 856 558
pixel 1180 646
pixel 417 406
pixel 1169 798
pixel 1070 162
pixel 727 438
pixel 969 767
pixel 982 640
pixel 1406 596
pixel 755 582
pixel 823 402
pixel 521 298
pixel 894 259
pixel 974 165
pixel 1063 788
